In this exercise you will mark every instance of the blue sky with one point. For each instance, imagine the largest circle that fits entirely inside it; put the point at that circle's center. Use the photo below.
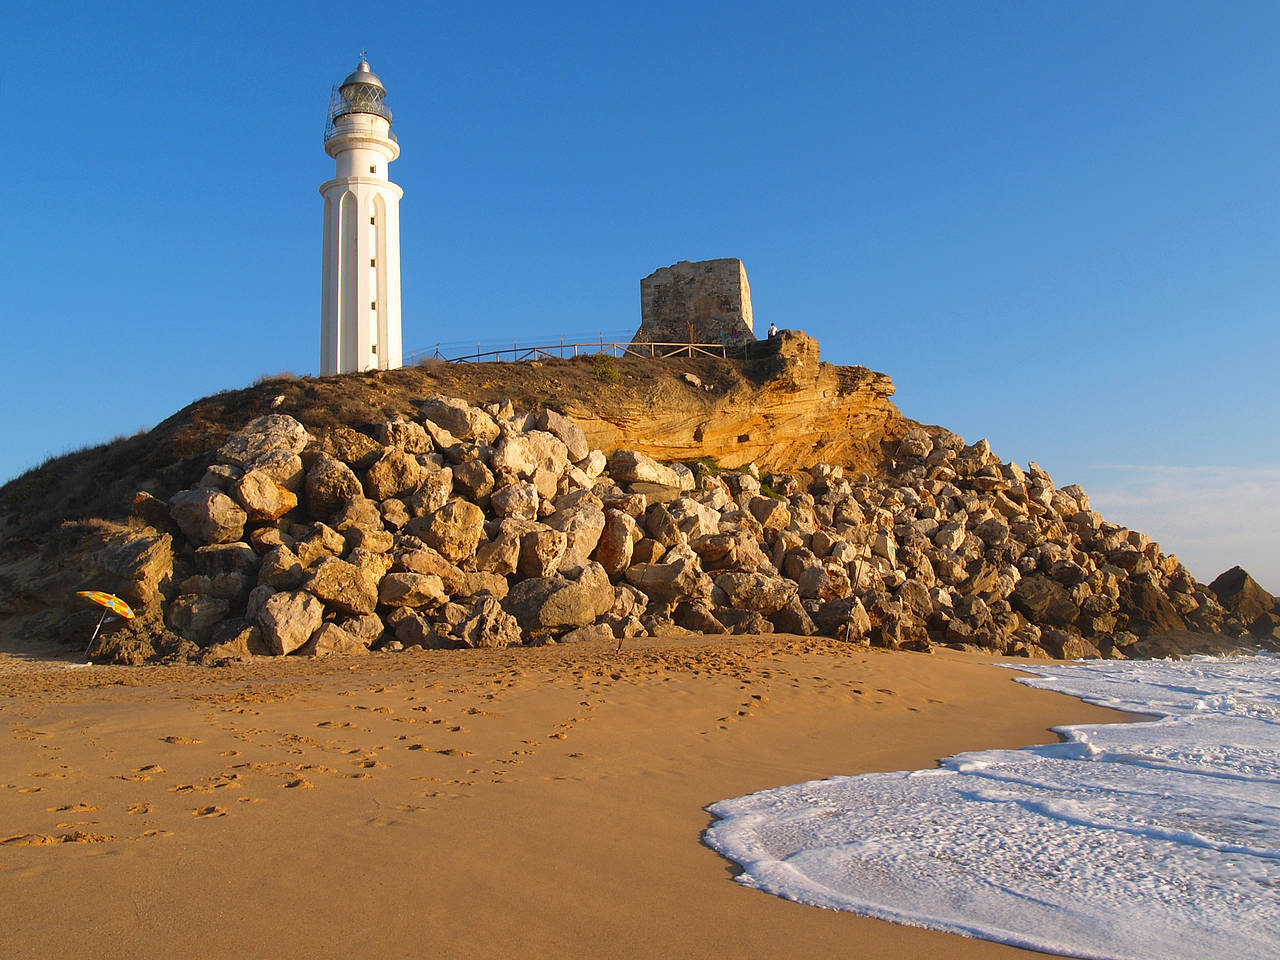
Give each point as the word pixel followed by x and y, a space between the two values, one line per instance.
pixel 1054 225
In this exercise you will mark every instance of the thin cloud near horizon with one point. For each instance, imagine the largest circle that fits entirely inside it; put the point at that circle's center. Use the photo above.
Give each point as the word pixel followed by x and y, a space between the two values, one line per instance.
pixel 1212 517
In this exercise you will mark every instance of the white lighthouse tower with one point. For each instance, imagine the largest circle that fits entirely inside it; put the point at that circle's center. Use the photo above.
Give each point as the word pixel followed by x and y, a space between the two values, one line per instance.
pixel 360 296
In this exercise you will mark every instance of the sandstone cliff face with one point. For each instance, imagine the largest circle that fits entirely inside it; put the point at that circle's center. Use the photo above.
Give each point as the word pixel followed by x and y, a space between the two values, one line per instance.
pixel 790 413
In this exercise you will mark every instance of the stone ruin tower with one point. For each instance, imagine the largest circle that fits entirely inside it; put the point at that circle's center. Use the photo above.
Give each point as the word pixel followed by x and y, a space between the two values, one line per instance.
pixel 704 302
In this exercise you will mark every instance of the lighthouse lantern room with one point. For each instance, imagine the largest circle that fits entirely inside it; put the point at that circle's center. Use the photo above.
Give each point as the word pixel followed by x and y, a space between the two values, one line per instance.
pixel 360 294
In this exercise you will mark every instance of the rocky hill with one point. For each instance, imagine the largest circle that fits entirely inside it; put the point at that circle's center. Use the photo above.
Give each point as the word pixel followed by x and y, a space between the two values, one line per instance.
pixel 500 504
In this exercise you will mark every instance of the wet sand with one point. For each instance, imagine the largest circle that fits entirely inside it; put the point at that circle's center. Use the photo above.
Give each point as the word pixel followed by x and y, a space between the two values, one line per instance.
pixel 535 803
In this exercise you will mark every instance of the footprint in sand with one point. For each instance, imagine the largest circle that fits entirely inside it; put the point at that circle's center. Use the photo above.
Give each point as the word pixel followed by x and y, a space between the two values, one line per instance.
pixel 45 839
pixel 335 723
pixel 300 783
pixel 30 789
pixel 140 808
pixel 186 741
pixel 455 752
pixel 74 808
pixel 208 812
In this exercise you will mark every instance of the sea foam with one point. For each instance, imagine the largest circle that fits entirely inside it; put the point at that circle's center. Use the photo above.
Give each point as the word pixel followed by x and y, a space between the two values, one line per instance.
pixel 1138 841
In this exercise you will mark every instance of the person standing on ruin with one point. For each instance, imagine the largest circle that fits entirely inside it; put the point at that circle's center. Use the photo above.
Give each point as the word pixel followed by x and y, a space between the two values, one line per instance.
pixel 773 330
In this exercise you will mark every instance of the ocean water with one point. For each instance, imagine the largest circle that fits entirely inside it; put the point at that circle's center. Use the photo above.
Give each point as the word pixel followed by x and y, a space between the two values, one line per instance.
pixel 1141 841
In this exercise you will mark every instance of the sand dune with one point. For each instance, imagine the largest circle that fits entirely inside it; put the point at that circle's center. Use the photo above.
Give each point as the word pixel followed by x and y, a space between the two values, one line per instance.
pixel 535 802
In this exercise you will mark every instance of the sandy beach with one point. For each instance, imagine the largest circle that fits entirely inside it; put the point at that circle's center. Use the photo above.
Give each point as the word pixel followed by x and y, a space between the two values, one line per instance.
pixel 543 802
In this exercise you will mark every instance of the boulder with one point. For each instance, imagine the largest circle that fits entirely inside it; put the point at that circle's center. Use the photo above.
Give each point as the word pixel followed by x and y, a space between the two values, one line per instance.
pixel 582 526
pixel 616 544
pixel 411 629
pixel 219 558
pixel 661 525
pixel 1242 596
pixel 772 514
pixel 1043 601
pixel 489 626
pixel 367 628
pixel 696 616
pixel 432 493
pixel 631 466
pixel 599 632
pixel 647 550
pixel 343 586
pixel 195 617
pixel 550 462
pixel 755 591
pixel 717 551
pixel 288 619
pixel 474 481
pixel 220 476
pixel 455 530
pixel 207 516
pixel 793 618
pixel 330 483
pixel 1068 646
pixel 406 436
pixel 949 536
pixel 320 543
pixel 669 583
pixel 143 561
pixel 824 582
pixel 460 418
pixel 844 619
pixel 332 639
pixel 742 621
pixel 541 551
pixel 428 561
pixel 394 474
pixel 518 499
pixel 481 582
pixel 411 590
pixel 281 569
pixel 273 433
pixel 568 432
pixel 352 447
pixel 234 640
pixel 1148 608
pixel 543 604
pixel 501 555
pixel 265 500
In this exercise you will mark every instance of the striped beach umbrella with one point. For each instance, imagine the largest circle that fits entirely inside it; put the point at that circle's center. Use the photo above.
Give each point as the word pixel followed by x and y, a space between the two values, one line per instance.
pixel 109 600
pixel 110 603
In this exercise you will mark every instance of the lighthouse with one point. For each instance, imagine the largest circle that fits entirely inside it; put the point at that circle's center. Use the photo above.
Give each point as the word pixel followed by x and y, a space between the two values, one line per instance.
pixel 360 293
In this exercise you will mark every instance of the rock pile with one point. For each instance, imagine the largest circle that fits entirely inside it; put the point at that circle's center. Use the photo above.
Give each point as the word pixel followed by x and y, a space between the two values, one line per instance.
pixel 1252 606
pixel 480 527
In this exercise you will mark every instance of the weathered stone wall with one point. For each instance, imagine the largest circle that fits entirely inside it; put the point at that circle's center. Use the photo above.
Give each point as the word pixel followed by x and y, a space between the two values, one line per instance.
pixel 704 302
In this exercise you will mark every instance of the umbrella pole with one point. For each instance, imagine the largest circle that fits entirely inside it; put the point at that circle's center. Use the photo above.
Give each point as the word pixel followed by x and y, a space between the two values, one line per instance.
pixel 95 632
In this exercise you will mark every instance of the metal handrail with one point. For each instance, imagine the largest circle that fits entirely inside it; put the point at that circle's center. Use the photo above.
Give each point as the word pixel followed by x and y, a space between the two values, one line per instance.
pixel 563 351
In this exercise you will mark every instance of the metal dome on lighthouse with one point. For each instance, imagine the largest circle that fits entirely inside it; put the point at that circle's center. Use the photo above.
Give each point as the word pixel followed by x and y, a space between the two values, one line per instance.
pixel 360 291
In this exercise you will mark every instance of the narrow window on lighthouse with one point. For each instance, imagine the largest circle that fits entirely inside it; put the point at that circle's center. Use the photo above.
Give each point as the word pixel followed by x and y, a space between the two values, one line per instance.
pixel 373 262
pixel 372 168
pixel 372 220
